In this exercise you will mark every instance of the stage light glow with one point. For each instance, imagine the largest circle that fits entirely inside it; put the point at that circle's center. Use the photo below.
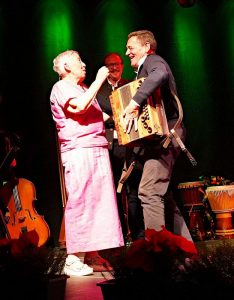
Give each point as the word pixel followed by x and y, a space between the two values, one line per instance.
pixel 56 27
pixel 115 19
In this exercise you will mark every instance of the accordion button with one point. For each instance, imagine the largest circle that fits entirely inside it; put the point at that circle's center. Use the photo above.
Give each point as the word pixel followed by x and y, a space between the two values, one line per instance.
pixel 149 129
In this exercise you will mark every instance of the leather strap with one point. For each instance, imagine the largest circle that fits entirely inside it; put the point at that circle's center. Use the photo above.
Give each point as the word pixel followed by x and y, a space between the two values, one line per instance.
pixel 125 174
pixel 127 171
pixel 173 133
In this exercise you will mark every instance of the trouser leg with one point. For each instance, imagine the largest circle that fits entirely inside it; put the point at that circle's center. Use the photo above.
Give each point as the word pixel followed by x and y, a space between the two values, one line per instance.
pixel 156 176
pixel 135 211
pixel 174 218
pixel 153 186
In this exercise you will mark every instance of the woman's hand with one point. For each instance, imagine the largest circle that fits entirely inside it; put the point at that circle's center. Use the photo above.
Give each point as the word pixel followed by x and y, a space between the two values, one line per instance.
pixel 102 74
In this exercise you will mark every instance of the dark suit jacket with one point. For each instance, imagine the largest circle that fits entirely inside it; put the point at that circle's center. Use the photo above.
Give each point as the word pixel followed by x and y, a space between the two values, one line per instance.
pixel 158 76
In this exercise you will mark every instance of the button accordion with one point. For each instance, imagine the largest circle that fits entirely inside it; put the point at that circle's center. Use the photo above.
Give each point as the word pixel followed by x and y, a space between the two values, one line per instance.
pixel 152 120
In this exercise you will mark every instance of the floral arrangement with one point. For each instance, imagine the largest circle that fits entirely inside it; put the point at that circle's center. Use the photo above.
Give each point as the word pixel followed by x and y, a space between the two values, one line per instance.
pixel 159 246
pixel 22 264
pixel 165 264
pixel 22 252
pixel 155 259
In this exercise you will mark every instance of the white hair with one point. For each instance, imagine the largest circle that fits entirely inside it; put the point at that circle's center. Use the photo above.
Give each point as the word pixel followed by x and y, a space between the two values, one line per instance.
pixel 61 59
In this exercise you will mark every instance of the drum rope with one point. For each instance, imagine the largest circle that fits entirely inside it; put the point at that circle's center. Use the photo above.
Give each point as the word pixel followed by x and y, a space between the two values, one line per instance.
pixel 192 206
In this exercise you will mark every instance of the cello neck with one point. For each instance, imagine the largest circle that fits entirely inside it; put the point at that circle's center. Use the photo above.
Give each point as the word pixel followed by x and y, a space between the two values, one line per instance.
pixel 16 197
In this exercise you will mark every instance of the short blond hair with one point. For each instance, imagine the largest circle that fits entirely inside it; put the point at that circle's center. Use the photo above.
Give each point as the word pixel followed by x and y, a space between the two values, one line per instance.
pixel 145 36
pixel 61 59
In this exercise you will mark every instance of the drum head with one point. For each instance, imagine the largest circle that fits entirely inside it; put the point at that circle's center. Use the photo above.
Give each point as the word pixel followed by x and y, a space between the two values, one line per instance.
pixel 220 188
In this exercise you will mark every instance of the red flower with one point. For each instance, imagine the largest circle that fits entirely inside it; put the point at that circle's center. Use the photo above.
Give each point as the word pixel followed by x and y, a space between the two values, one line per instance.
pixel 165 239
pixel 159 245
pixel 18 246
pixel 139 256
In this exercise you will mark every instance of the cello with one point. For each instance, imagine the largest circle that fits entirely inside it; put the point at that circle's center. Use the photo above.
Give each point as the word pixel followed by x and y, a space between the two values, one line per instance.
pixel 19 196
pixel 17 199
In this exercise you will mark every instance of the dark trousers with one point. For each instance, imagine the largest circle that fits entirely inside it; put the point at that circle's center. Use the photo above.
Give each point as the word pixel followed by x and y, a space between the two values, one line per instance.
pixel 135 211
pixel 155 182
pixel 129 205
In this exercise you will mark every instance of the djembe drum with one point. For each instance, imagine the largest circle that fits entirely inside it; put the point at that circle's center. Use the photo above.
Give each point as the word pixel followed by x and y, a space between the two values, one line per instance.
pixel 221 199
pixel 192 195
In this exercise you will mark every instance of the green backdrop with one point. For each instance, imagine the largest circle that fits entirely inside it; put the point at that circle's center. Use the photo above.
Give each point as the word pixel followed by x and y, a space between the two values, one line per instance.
pixel 197 42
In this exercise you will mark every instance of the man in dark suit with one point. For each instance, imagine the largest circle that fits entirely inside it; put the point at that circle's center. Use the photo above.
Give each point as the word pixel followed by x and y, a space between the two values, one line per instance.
pixel 130 209
pixel 158 161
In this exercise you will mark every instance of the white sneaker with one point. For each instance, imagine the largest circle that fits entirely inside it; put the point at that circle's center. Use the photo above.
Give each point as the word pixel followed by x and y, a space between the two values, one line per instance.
pixel 74 267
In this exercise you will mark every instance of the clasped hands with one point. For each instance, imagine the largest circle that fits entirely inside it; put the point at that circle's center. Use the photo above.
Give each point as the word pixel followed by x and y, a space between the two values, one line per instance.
pixel 130 116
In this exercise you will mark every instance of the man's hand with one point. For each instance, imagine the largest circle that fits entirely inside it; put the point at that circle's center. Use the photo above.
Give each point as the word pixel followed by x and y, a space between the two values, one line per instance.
pixel 130 116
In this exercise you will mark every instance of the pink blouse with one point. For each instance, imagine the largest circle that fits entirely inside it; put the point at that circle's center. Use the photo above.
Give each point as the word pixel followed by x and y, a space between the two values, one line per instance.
pixel 76 130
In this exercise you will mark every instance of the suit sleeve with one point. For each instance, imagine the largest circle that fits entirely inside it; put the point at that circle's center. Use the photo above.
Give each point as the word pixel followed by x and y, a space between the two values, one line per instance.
pixel 156 76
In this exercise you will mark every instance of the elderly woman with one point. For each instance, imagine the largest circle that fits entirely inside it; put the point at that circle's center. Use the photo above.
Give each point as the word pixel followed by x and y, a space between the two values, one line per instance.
pixel 91 215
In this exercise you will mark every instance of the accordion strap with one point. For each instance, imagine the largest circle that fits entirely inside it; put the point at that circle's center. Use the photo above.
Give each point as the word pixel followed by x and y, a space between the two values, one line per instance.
pixel 178 122
pixel 125 174
pixel 173 134
pixel 127 170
